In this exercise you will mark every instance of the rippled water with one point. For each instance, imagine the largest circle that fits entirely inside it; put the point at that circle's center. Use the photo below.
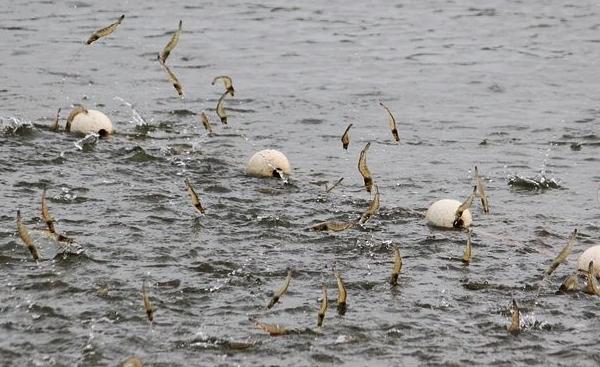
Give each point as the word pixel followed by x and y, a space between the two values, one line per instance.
pixel 511 87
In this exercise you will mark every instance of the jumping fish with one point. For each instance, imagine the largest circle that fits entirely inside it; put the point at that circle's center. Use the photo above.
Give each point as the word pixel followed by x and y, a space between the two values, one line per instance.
pixel 132 362
pixel 280 291
pixel 397 267
pixel 481 190
pixel 221 109
pixel 27 241
pixel 55 123
pixel 205 122
pixel 515 323
pixel 458 222
pixel 592 281
pixel 468 250
pixel 342 295
pixel 334 185
pixel 346 137
pixel 273 330
pixel 104 31
pixel 147 305
pixel 323 308
pixel 46 214
pixel 392 122
pixel 227 82
pixel 76 111
pixel 373 207
pixel 171 44
pixel 363 169
pixel 194 196
pixel 564 253
pixel 334 226
pixel 570 284
pixel 172 78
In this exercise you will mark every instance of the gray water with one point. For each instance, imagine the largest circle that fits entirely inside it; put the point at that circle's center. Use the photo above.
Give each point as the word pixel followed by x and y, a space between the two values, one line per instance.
pixel 508 86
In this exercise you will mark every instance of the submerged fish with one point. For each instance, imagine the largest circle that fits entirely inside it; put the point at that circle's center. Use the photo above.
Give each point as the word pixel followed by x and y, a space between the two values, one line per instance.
pixel 592 281
pixel 74 112
pixel 55 123
pixel 103 32
pixel 273 330
pixel 27 241
pixel 392 121
pixel 205 122
pixel 468 250
pixel 458 222
pixel 194 196
pixel 373 207
pixel 171 44
pixel 481 190
pixel 147 305
pixel 221 109
pixel 363 169
pixel 515 323
pixel 346 137
pixel 342 295
pixel 323 308
pixel 334 185
pixel 334 226
pixel 172 78
pixel 570 284
pixel 397 267
pixel 564 253
pixel 227 82
pixel 280 291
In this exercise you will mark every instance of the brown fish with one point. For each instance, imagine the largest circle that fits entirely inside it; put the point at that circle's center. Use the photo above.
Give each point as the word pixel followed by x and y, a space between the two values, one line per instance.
pixel 397 267
pixel 564 253
pixel 221 109
pixel 74 112
pixel 273 330
pixel 392 122
pixel 468 250
pixel 46 214
pixel 27 241
pixel 334 185
pixel 205 122
pixel 481 190
pixel 227 82
pixel 363 169
pixel 373 207
pixel 55 123
pixel 570 284
pixel 147 305
pixel 172 78
pixel 103 32
pixel 280 291
pixel 458 222
pixel 346 137
pixel 132 362
pixel 194 196
pixel 171 44
pixel 342 295
pixel 515 323
pixel 592 281
pixel 323 308
pixel 334 226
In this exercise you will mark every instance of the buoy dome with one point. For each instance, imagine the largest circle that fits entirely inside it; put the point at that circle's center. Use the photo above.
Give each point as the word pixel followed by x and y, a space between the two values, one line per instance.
pixel 441 214
pixel 266 163
pixel 92 122
pixel 591 254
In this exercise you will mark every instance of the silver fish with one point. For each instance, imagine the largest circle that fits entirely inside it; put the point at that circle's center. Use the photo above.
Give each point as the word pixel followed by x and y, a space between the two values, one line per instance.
pixel 397 267
pixel 392 121
pixel 468 250
pixel 515 323
pixel 27 241
pixel 564 253
pixel 170 46
pixel 323 308
pixel 103 32
pixel 363 169
pixel 221 109
pixel 458 222
pixel 346 137
pixel 227 82
pixel 280 291
pixel 342 295
pixel 194 196
pixel 481 190
pixel 172 78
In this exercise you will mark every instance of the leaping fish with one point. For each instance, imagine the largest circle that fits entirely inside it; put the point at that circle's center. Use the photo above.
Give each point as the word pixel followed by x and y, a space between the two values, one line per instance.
pixel 570 284
pixel 132 362
pixel 74 112
pixel 392 121
pixel 27 241
pixel 342 295
pixel 592 281
pixel 346 137
pixel 515 323
pixel 334 185
pixel 564 253
pixel 458 222
pixel 170 46
pixel 147 305
pixel 205 123
pixel 172 78
pixel 468 249
pixel 482 194
pixel 103 32
pixel 221 109
pixel 227 82
pixel 373 207
pixel 280 291
pixel 46 214
pixel 323 308
pixel 55 123
pixel 397 267
pixel 363 169
pixel 194 196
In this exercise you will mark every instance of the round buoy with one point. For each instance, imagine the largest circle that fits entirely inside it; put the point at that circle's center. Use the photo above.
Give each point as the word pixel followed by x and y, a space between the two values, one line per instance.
pixel 441 214
pixel 92 121
pixel 591 254
pixel 268 163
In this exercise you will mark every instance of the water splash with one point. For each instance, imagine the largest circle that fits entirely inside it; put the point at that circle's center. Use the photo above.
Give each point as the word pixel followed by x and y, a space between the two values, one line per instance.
pixel 87 142
pixel 136 118
pixel 14 125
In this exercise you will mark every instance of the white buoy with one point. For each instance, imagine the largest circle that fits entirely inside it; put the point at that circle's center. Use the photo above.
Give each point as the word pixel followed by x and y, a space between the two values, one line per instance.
pixel 92 122
pixel 591 254
pixel 441 214
pixel 267 162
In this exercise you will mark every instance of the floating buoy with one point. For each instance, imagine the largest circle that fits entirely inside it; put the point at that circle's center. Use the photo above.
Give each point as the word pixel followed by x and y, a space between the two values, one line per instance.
pixel 591 254
pixel 442 214
pixel 268 163
pixel 92 121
